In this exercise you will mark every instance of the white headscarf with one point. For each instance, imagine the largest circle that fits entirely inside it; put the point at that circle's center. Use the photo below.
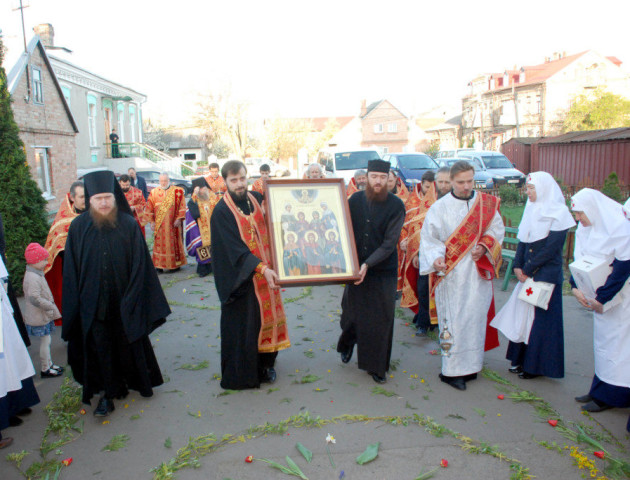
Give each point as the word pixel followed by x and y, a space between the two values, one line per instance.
pixel 609 233
pixel 626 209
pixel 548 212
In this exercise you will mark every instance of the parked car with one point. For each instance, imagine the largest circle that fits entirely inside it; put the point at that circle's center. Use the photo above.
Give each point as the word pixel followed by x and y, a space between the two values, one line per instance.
pixel 482 178
pixel 453 152
pixel 411 166
pixel 498 165
pixel 343 164
pixel 276 170
pixel 152 177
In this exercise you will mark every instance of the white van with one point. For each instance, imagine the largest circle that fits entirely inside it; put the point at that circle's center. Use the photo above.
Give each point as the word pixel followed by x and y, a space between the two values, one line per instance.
pixel 343 163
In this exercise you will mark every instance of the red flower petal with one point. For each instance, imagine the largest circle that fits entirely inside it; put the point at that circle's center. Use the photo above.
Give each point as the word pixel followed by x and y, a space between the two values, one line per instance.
pixel 82 411
pixel 249 458
pixel 599 454
pixel 67 461
pixel 444 463
pixel 284 289
pixel 501 397
pixel 553 423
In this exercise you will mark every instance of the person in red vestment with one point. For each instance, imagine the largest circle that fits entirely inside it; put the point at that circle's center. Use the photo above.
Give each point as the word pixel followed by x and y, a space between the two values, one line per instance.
pixel 135 199
pixel 258 185
pixel 72 206
pixel 215 181
pixel 358 182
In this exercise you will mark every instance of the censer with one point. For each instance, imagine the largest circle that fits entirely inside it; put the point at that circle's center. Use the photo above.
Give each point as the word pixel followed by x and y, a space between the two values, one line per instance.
pixel 446 337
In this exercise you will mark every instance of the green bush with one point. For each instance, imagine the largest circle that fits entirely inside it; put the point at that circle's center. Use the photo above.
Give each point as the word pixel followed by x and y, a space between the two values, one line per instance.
pixel 22 206
pixel 510 195
pixel 611 188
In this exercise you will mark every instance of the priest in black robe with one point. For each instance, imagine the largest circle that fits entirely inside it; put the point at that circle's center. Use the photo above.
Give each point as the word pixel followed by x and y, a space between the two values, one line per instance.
pixel 368 306
pixel 112 298
pixel 249 346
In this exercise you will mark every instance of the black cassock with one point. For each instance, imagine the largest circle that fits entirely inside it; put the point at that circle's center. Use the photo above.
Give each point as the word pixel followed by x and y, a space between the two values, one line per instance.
pixel 234 267
pixel 112 301
pixel 367 317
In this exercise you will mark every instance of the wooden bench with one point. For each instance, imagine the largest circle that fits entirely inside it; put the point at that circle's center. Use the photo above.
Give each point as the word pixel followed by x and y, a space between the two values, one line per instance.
pixel 508 252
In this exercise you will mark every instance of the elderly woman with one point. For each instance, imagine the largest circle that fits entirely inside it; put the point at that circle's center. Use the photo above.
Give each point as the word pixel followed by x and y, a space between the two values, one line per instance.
pixel 541 234
pixel 314 171
pixel 604 232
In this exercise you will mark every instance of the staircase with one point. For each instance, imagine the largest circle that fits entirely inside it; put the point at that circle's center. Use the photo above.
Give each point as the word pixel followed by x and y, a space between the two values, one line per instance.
pixel 141 155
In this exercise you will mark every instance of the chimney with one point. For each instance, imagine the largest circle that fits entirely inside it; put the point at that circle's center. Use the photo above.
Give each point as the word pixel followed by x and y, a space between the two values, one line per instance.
pixel 47 34
pixel 363 108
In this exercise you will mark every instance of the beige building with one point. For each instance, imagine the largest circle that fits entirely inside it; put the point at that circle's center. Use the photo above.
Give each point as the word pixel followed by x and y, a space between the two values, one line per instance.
pixel 531 101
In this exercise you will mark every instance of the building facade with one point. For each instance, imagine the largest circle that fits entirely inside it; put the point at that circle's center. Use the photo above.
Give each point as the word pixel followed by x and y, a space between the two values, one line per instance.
pixel 532 101
pixel 47 126
pixel 383 127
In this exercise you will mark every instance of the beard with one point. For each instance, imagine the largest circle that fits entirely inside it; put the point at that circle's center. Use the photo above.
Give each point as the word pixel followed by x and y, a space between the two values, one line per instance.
pixel 125 190
pixel 373 196
pixel 109 220
pixel 238 197
pixel 361 186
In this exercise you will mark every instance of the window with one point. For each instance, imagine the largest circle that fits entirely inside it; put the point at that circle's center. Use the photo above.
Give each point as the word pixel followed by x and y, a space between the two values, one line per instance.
pixel 378 128
pixel 190 156
pixel 392 128
pixel 38 87
pixel 42 172
pixel 66 94
pixel 385 150
pixel 92 120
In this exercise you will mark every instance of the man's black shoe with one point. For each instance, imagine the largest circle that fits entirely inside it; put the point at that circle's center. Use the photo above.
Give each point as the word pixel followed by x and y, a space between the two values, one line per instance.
pixel 104 408
pixel 377 378
pixel 421 332
pixel 472 376
pixel 584 398
pixel 14 421
pixel 516 369
pixel 24 412
pixel 347 355
pixel 527 376
pixel 455 382
pixel 594 406
pixel 269 375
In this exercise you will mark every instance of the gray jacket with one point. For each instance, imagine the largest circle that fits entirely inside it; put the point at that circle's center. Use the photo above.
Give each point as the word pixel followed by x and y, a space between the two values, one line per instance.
pixel 40 306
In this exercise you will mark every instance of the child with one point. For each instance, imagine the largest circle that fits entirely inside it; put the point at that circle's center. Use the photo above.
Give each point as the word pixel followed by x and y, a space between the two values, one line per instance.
pixel 41 311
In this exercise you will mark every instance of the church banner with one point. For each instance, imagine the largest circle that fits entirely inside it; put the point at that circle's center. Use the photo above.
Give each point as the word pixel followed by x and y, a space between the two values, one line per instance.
pixel 312 241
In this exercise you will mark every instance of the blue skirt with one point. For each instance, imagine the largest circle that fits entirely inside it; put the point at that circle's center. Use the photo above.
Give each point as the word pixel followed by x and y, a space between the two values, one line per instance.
pixel 17 400
pixel 41 330
pixel 612 395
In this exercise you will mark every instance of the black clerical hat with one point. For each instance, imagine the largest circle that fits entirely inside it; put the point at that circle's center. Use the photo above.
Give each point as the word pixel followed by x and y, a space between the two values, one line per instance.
pixel 200 182
pixel 380 166
pixel 104 181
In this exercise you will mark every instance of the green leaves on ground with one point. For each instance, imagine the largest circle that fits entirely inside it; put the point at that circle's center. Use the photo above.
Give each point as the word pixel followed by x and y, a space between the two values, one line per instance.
pixel 426 475
pixel 382 391
pixel 292 468
pixel 371 452
pixel 194 366
pixel 116 443
pixel 481 412
pixel 168 443
pixel 308 379
pixel 306 453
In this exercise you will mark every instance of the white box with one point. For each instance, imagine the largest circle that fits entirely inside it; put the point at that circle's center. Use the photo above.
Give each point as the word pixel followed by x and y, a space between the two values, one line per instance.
pixel 537 294
pixel 589 274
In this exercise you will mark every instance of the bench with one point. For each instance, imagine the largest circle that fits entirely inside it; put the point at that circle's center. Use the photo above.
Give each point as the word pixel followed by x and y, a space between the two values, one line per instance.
pixel 508 252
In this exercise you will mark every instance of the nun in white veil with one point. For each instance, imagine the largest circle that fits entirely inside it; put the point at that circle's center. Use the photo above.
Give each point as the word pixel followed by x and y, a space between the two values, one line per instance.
pixel 541 233
pixel 604 232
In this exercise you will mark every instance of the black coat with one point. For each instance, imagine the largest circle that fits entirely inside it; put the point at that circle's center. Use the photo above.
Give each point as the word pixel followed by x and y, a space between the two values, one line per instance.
pixel 542 259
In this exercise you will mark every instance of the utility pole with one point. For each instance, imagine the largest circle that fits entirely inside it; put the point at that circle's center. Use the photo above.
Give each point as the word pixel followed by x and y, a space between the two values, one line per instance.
pixel 515 95
pixel 28 77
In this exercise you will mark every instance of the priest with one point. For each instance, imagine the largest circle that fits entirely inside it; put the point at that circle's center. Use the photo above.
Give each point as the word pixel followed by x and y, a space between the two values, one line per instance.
pixel 113 298
pixel 461 237
pixel 72 206
pixel 215 181
pixel 253 322
pixel 135 199
pixel 166 210
pixel 197 225
pixel 367 317
pixel 259 184
pixel 357 182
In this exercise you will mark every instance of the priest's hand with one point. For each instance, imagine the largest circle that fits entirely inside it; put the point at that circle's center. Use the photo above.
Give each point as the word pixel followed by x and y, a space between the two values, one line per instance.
pixel 403 244
pixel 581 298
pixel 133 209
pixel 520 275
pixel 177 223
pixel 271 277
pixel 439 264
pixel 362 273
pixel 478 252
pixel 415 261
pixel 596 306
pixel 196 191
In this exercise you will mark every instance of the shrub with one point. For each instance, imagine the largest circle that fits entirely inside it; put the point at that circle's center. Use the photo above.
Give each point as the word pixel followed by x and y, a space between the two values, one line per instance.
pixel 510 195
pixel 611 188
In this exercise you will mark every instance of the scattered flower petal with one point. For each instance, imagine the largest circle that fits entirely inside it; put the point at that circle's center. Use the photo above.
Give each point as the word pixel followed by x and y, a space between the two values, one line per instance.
pixel 67 461
pixel 249 458
pixel 183 290
pixel 599 454
pixel 330 439
pixel 433 352
pixel 105 422
pixel 501 397
pixel 553 423
pixel 82 411
pixel 444 463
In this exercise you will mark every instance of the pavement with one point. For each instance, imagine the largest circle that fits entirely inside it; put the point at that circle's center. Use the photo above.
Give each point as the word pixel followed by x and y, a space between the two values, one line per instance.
pixel 192 404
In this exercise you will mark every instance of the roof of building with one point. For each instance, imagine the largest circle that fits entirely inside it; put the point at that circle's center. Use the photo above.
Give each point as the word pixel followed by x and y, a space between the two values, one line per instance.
pixel 372 106
pixel 524 140
pixel 450 124
pixel 13 79
pixel 590 136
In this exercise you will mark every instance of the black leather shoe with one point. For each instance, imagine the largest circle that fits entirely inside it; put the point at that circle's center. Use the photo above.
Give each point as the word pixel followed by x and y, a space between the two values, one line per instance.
pixel 472 376
pixel 50 373
pixel 594 406
pixel 24 412
pixel 584 398
pixel 527 376
pixel 516 369
pixel 377 378
pixel 14 421
pixel 347 355
pixel 104 408
pixel 269 375
pixel 455 382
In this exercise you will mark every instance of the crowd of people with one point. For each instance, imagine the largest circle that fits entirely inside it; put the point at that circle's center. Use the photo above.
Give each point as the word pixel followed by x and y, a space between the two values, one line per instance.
pixel 436 247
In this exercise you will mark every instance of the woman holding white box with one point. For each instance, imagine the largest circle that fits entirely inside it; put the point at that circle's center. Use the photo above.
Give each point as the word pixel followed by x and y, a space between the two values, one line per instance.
pixel 604 233
pixel 541 233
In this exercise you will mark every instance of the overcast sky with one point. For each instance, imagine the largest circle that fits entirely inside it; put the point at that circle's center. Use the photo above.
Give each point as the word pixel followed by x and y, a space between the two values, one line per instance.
pixel 315 58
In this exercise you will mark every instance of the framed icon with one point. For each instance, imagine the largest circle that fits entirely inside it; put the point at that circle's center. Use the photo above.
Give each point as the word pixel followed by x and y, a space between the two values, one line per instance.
pixel 312 242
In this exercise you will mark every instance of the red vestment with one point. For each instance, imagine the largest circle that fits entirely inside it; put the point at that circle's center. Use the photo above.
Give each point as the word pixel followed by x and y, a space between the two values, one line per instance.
pixel 217 185
pixel 136 201
pixel 162 209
